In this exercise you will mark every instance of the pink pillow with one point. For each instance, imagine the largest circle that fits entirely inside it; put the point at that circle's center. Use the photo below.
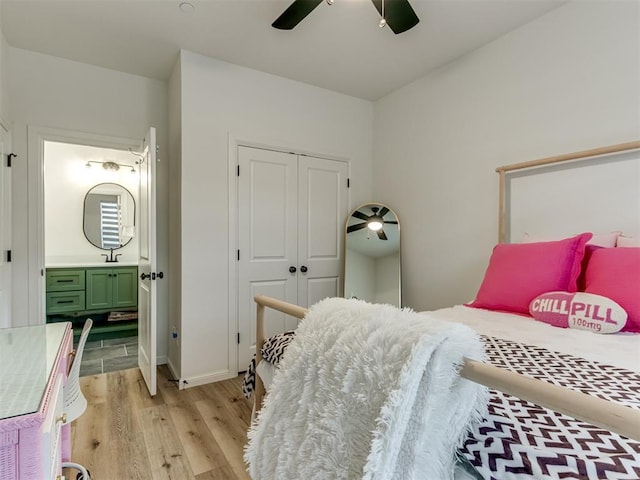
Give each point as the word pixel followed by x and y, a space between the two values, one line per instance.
pixel 615 273
pixel 582 278
pixel 519 272
pixel 584 311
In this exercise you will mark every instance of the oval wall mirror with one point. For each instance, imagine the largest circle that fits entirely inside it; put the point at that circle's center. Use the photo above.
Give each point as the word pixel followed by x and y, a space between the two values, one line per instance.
pixel 372 269
pixel 109 216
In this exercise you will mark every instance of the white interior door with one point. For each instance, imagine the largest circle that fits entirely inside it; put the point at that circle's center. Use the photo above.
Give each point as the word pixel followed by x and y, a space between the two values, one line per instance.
pixel 5 229
pixel 147 311
pixel 267 240
pixel 322 201
pixel 291 213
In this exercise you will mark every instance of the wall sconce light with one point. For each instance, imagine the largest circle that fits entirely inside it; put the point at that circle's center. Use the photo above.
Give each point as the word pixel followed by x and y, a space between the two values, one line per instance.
pixel 109 165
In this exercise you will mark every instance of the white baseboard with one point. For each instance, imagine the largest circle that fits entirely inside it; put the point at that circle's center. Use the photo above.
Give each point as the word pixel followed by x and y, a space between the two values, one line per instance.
pixel 204 379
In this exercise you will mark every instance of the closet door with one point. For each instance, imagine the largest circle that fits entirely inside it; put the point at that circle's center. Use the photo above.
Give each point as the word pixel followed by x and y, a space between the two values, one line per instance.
pixel 267 240
pixel 291 213
pixel 322 205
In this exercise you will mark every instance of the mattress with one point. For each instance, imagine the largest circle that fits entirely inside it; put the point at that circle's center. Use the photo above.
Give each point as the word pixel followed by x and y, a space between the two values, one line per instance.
pixel 619 350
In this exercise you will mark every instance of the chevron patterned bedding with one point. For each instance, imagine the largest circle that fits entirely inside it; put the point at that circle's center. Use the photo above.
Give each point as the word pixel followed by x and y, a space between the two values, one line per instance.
pixel 519 440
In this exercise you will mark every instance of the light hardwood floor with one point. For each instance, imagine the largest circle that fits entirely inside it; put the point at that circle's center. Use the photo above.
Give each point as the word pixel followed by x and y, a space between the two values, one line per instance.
pixel 198 433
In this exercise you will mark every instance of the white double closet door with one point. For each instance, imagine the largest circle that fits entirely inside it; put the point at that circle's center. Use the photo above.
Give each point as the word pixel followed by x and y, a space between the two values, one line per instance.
pixel 291 214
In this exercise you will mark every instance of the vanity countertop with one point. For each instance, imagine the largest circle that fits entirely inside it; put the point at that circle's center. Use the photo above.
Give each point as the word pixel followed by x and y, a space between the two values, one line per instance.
pixel 119 263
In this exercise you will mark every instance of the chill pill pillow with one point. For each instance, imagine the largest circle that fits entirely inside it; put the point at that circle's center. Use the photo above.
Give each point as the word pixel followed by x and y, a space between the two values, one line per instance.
pixel 584 311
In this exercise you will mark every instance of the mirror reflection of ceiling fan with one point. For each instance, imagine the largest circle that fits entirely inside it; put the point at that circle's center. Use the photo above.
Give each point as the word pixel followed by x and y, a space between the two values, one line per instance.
pixel 374 222
pixel 398 14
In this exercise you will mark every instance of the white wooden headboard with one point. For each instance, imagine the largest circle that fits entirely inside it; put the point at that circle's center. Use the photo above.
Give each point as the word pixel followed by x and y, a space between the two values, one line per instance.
pixel 595 190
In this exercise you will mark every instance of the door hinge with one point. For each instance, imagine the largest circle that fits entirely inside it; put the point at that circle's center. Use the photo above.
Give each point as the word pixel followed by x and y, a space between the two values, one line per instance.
pixel 8 256
pixel 238 338
pixel 9 157
pixel 238 171
pixel 348 183
pixel 238 255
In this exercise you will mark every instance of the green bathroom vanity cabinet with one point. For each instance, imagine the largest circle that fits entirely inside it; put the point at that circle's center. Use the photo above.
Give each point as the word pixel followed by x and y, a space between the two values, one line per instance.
pixel 74 294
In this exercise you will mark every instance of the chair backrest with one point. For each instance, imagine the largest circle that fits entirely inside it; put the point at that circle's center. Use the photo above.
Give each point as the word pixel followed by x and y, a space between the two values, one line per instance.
pixel 74 401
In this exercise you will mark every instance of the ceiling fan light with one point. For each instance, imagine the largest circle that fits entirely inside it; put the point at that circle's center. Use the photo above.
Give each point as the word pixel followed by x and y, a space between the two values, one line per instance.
pixel 374 225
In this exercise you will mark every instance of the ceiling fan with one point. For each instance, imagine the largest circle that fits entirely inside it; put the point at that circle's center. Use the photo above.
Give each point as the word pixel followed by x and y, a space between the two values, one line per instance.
pixel 398 14
pixel 374 221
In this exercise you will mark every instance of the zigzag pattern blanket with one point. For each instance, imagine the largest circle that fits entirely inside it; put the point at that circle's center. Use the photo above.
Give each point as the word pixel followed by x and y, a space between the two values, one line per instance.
pixel 367 392
pixel 520 440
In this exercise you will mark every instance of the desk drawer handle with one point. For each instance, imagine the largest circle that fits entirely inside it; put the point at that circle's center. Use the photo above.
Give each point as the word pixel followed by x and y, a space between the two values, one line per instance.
pixel 62 418
pixel 66 280
pixel 65 301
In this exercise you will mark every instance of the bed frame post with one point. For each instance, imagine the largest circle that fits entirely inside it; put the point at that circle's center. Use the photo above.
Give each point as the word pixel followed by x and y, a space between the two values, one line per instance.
pixel 502 213
pixel 259 393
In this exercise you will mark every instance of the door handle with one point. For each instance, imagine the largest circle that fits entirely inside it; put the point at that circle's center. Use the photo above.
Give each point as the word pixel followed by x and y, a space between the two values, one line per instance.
pixel 152 275
pixel 303 269
pixel 292 269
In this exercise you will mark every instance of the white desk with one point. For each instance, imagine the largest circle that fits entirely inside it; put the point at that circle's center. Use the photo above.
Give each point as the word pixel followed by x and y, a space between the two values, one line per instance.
pixel 33 369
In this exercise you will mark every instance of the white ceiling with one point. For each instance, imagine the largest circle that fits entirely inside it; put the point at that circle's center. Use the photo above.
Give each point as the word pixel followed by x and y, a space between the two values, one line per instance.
pixel 338 47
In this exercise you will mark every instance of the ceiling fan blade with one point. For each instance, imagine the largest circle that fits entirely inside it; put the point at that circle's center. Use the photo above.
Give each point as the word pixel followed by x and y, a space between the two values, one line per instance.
pixel 398 13
pixel 353 228
pixel 381 235
pixel 383 212
pixel 360 215
pixel 390 221
pixel 296 12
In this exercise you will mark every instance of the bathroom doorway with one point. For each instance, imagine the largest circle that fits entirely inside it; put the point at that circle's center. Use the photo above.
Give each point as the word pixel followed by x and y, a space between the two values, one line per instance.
pixel 91 248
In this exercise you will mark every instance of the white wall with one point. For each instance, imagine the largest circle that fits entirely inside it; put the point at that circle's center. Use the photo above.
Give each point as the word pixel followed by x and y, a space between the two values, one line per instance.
pixel 48 91
pixel 565 82
pixel 220 100
pixel 4 82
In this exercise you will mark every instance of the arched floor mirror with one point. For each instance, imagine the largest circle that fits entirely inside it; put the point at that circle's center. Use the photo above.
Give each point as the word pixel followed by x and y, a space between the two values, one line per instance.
pixel 372 267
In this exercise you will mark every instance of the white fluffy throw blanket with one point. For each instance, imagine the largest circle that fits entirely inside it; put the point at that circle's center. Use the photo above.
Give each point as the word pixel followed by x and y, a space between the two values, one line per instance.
pixel 367 392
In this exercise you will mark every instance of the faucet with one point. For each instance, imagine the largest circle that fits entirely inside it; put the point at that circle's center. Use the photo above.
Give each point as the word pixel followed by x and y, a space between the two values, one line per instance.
pixel 110 258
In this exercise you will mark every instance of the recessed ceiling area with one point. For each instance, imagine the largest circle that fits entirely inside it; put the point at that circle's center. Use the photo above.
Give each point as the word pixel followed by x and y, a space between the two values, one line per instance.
pixel 339 47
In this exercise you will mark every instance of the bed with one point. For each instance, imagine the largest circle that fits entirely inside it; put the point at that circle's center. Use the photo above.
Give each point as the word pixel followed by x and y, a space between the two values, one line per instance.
pixel 564 401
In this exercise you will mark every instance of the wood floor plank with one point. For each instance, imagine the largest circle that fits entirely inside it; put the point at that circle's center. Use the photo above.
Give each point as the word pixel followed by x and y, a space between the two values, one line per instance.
pixel 125 434
pixel 164 449
pixel 90 439
pixel 94 388
pixel 138 389
pixel 126 439
pixel 229 435
pixel 224 473
pixel 197 440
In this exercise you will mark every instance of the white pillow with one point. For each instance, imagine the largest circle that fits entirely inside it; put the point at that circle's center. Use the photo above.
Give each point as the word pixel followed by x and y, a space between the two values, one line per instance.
pixel 628 241
pixel 599 239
